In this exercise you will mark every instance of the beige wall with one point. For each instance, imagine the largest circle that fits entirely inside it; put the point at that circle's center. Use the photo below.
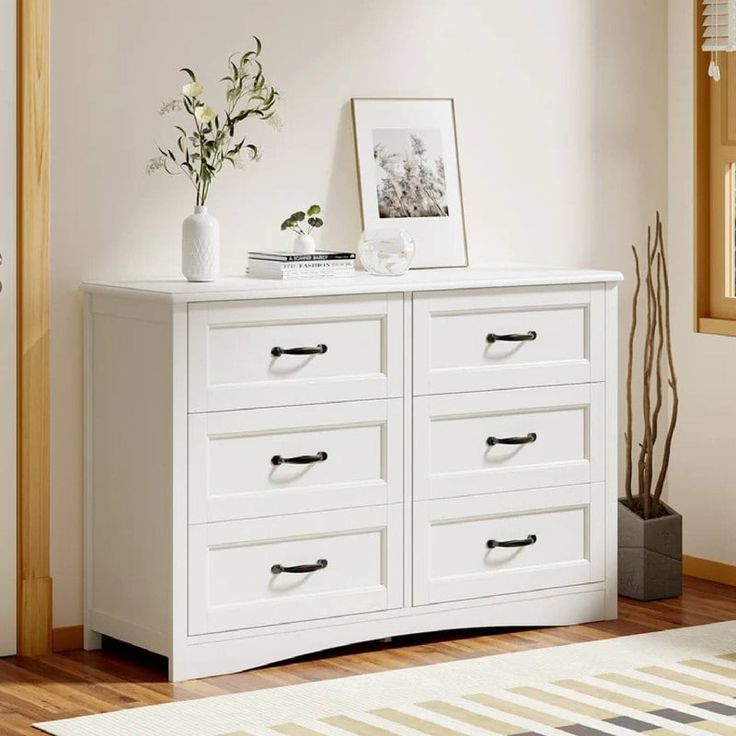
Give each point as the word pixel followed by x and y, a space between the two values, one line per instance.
pixel 561 113
pixel 701 482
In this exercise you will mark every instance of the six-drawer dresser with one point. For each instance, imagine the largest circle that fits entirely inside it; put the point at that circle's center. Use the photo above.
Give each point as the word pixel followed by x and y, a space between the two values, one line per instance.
pixel 277 468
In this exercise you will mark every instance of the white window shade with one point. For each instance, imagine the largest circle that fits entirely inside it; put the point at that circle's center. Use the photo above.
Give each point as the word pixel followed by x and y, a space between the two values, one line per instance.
pixel 719 25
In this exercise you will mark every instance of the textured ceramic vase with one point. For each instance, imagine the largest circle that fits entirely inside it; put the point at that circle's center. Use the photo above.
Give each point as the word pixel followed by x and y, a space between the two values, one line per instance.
pixel 304 244
pixel 200 246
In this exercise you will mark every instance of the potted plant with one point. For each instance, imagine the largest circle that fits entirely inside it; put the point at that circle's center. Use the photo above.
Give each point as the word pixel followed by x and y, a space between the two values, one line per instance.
pixel 201 151
pixel 304 241
pixel 650 532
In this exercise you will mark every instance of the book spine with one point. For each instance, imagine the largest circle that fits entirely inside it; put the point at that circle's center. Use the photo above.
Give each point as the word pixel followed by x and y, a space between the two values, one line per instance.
pixel 310 276
pixel 302 257
pixel 318 265
pixel 318 275
pixel 258 266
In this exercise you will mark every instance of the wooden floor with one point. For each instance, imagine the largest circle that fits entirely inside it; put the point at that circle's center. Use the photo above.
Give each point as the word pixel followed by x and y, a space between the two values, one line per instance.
pixel 78 683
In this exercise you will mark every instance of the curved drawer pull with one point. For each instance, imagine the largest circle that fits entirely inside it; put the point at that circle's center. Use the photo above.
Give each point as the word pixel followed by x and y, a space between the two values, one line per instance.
pixel 520 337
pixel 525 440
pixel 319 350
pixel 319 565
pixel 320 457
pixel 531 539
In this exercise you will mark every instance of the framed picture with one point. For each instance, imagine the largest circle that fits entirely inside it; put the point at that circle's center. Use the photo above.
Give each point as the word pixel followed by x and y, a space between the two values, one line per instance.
pixel 409 175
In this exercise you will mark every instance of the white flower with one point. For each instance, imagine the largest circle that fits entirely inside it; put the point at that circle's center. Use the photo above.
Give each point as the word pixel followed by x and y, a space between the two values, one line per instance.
pixel 204 114
pixel 193 89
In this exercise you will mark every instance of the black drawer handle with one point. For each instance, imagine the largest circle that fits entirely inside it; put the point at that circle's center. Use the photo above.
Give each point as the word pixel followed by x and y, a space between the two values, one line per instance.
pixel 320 457
pixel 319 565
pixel 525 440
pixel 319 350
pixel 531 539
pixel 519 337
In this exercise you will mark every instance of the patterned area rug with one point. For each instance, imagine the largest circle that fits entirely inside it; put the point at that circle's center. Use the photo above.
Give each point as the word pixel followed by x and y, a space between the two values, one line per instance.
pixel 672 683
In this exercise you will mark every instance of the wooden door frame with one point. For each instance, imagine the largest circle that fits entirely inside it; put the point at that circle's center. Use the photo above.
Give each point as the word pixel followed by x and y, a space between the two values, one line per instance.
pixel 34 576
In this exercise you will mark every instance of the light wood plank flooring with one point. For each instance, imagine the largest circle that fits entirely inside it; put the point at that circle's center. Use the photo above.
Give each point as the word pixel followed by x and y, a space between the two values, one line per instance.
pixel 78 683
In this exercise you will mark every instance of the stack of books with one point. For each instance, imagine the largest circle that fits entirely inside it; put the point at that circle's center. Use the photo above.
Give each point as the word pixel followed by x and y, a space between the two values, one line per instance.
pixel 287 265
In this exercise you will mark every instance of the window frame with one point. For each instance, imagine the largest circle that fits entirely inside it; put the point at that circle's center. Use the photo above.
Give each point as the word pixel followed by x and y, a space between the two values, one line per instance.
pixel 714 189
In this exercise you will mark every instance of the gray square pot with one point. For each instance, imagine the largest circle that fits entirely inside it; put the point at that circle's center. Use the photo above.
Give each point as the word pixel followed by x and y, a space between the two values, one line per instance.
pixel 649 555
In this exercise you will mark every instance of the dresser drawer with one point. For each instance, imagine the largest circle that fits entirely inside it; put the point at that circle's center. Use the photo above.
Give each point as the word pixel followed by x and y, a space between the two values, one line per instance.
pixel 507 338
pixel 560 533
pixel 239 351
pixel 239 576
pixel 508 440
pixel 263 462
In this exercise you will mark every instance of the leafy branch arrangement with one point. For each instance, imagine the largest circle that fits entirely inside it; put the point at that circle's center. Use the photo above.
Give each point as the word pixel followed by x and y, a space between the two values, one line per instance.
pixel 657 342
pixel 201 152
pixel 293 221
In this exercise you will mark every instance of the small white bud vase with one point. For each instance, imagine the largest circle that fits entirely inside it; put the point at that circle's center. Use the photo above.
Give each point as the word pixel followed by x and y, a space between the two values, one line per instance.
pixel 304 244
pixel 200 246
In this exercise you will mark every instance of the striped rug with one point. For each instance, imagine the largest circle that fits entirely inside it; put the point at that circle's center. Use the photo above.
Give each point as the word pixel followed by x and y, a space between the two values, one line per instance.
pixel 674 683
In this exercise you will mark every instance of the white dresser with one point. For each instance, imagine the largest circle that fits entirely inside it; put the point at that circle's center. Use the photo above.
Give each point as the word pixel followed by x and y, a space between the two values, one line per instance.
pixel 275 468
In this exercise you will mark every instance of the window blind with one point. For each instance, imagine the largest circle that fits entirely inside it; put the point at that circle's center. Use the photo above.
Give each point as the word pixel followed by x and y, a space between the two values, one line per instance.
pixel 719 25
pixel 719 31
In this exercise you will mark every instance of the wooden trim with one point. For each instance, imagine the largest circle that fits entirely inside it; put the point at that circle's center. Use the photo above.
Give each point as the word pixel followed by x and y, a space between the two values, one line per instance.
pixel 718 572
pixel 722 154
pixel 34 581
pixel 67 638
pixel 714 149
pixel 701 174
pixel 715 326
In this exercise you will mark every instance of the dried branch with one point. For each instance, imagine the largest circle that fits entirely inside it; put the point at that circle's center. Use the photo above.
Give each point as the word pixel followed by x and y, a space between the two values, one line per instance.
pixel 658 244
pixel 658 360
pixel 629 375
pixel 645 453
pixel 642 450
pixel 672 383
pixel 657 340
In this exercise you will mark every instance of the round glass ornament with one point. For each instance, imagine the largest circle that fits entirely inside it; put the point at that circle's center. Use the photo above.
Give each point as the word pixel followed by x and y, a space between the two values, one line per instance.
pixel 386 251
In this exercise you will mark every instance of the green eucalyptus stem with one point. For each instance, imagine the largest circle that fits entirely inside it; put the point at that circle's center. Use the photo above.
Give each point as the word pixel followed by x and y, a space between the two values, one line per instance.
pixel 203 153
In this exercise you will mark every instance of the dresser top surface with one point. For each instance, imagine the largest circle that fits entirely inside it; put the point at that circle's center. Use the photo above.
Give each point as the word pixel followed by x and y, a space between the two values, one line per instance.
pixel 436 279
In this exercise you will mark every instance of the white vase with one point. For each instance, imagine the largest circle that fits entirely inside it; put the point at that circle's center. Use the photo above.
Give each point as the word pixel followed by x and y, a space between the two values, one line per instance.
pixel 200 246
pixel 304 244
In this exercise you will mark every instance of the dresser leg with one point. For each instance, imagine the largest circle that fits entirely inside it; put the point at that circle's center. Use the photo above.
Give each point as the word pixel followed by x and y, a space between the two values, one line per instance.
pixel 92 640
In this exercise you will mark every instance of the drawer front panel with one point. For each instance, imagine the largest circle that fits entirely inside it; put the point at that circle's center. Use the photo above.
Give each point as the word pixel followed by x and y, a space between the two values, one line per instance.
pixel 233 583
pixel 559 532
pixel 356 449
pixel 232 364
pixel 460 440
pixel 452 352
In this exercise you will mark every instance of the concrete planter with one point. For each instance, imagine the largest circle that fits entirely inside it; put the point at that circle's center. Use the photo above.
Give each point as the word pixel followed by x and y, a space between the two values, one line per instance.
pixel 649 555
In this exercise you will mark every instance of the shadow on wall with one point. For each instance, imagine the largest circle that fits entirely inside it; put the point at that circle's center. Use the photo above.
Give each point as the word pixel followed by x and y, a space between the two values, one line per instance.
pixel 343 212
pixel 630 101
pixel 630 153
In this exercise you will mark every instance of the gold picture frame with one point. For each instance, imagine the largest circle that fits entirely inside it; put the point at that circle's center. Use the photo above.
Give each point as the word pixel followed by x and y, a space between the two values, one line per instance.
pixel 418 132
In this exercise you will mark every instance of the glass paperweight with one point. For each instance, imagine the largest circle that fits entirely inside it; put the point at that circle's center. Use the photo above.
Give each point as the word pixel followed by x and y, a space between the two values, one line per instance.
pixel 386 251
